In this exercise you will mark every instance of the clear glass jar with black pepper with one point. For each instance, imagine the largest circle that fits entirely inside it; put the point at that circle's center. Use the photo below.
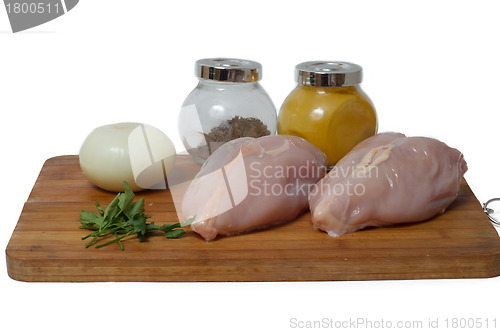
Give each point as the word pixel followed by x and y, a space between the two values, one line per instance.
pixel 227 103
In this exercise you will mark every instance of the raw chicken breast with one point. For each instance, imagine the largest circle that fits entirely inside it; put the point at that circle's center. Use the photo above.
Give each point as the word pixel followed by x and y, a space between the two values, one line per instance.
pixel 251 183
pixel 387 179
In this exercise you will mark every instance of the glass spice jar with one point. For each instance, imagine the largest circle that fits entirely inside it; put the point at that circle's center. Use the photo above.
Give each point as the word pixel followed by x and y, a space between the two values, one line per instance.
pixel 328 108
pixel 227 103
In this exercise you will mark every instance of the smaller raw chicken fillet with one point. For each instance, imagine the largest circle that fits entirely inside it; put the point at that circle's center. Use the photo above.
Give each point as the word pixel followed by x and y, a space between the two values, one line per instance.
pixel 387 179
pixel 252 183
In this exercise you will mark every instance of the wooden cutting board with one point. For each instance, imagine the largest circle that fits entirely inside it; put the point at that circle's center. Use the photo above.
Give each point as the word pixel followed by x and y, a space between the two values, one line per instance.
pixel 46 244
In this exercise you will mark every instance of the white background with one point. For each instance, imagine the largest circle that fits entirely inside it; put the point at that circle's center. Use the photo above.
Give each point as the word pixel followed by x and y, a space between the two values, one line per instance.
pixel 430 67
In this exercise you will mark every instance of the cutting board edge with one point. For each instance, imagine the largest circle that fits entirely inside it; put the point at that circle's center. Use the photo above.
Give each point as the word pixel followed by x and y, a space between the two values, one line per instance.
pixel 26 270
pixel 47 162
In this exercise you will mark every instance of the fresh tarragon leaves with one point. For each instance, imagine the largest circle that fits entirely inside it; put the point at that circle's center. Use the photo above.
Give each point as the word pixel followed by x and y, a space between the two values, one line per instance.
pixel 123 218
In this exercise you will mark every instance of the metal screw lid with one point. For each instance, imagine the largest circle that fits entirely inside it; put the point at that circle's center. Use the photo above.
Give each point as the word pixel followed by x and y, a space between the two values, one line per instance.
pixel 328 73
pixel 228 70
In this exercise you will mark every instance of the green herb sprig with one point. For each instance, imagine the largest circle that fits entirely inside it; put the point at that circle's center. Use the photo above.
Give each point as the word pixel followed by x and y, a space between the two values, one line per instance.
pixel 123 218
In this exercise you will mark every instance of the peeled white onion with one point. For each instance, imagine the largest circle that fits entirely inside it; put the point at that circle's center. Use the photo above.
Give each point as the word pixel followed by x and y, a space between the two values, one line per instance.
pixel 137 153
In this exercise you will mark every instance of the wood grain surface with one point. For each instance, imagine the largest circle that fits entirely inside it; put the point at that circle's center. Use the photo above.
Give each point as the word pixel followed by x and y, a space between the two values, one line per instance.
pixel 46 244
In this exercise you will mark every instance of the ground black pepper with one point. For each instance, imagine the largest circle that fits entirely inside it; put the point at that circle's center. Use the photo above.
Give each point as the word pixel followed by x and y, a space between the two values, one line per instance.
pixel 235 128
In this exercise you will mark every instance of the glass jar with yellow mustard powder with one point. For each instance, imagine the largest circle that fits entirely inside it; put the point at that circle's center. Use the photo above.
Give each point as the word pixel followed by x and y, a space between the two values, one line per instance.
pixel 328 108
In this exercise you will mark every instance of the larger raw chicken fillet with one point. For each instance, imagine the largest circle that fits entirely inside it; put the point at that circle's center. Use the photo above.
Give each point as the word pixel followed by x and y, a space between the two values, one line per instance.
pixel 387 179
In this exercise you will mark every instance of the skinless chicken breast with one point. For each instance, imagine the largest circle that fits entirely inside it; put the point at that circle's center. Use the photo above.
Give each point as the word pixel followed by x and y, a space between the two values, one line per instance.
pixel 252 183
pixel 385 180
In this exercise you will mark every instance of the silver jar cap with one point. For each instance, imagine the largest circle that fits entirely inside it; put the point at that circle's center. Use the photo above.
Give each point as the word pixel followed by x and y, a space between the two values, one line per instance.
pixel 328 73
pixel 228 70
